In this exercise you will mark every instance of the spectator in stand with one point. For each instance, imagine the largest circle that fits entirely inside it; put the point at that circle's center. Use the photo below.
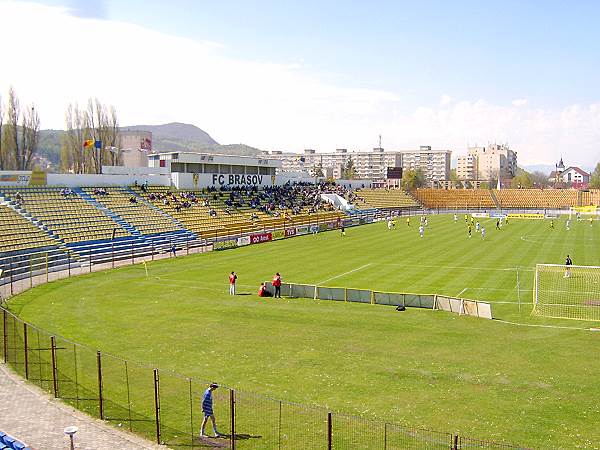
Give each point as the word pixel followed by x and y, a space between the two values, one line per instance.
pixel 277 285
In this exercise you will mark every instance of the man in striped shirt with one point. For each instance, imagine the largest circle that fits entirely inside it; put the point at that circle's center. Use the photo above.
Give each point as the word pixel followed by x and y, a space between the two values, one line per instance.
pixel 207 410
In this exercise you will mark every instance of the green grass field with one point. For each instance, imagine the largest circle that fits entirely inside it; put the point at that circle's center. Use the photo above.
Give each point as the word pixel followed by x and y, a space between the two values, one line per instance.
pixel 531 385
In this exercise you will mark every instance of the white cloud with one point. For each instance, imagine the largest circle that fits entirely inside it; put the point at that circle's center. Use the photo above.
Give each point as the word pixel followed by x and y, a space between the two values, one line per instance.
pixel 445 100
pixel 153 77
pixel 519 102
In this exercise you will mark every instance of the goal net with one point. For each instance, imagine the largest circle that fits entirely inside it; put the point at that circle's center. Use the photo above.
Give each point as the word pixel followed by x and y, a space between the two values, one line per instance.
pixel 567 292
pixel 583 212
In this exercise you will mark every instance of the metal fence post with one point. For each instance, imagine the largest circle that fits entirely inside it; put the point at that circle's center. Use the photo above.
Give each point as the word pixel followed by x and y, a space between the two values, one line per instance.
pixel 25 353
pixel 4 337
pixel 11 278
pixel 279 428
pixel 455 443
pixel 232 408
pixel 54 370
pixel 157 405
pixel 385 436
pixel 47 268
pixel 30 273
pixel 329 433
pixel 100 397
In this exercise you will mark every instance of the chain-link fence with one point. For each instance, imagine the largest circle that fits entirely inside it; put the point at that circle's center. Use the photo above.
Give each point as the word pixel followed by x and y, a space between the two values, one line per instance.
pixel 166 407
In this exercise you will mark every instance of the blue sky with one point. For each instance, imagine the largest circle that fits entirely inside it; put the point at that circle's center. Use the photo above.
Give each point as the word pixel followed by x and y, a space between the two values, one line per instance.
pixel 548 51
pixel 448 74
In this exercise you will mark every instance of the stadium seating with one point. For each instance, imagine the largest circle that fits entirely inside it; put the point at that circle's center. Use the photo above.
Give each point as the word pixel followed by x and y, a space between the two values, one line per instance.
pixel 212 214
pixel 537 198
pixel 19 233
pixel 383 199
pixel 592 198
pixel 133 210
pixel 69 217
pixel 7 442
pixel 456 198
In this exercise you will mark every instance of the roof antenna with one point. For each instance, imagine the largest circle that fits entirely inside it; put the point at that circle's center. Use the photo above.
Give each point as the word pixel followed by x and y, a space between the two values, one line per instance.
pixel 380 141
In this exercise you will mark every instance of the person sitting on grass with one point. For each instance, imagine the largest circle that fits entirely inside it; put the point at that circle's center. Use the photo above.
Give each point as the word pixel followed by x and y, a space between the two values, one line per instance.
pixel 262 291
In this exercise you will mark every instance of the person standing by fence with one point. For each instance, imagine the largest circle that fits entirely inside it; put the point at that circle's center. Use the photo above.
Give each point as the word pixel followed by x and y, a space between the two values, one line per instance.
pixel 277 285
pixel 207 411
pixel 232 280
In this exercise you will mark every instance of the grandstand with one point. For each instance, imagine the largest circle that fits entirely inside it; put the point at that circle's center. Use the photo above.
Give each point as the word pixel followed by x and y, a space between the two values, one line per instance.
pixel 537 198
pixel 591 197
pixel 456 198
pixel 64 215
pixel 383 199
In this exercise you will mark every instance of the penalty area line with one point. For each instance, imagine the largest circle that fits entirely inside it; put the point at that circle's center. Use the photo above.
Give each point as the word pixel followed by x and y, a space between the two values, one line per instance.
pixel 345 273
pixel 533 325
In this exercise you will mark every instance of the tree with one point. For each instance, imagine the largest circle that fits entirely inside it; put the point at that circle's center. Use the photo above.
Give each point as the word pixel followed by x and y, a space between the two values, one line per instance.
pixel 521 180
pixel 1 127
pixel 98 123
pixel 413 179
pixel 319 171
pixel 18 143
pixel 30 132
pixel 348 172
pixel 595 178
pixel 539 179
pixel 455 180
pixel 10 144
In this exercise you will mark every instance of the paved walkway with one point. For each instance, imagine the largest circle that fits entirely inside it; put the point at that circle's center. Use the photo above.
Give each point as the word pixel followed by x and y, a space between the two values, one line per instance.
pixel 38 419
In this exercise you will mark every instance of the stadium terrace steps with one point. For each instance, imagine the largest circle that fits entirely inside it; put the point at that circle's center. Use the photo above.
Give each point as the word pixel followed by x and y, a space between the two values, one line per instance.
pixel 181 233
pixel 110 213
pixel 495 199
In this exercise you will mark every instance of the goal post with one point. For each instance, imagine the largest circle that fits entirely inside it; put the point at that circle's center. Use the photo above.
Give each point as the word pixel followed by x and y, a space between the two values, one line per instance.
pixel 567 292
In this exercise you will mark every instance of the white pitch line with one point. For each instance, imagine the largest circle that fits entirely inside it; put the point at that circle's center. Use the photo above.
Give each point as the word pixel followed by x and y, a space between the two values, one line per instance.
pixel 345 273
pixel 461 292
pixel 533 325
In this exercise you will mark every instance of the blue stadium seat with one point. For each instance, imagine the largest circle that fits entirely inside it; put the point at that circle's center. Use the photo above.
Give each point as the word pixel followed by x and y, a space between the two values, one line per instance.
pixel 18 445
pixel 9 440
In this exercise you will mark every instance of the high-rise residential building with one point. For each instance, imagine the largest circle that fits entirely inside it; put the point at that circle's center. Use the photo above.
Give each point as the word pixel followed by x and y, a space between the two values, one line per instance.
pixel 494 161
pixel 466 167
pixel 435 164
pixel 367 165
pixel 370 165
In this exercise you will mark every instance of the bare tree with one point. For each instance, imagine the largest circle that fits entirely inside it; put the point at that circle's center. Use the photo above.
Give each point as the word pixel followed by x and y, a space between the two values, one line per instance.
pixel 10 146
pixel 30 131
pixel 1 127
pixel 104 127
pixel 73 155
pixel 97 123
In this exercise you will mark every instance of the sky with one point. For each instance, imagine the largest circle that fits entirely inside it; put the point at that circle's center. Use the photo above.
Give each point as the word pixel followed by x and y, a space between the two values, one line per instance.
pixel 282 75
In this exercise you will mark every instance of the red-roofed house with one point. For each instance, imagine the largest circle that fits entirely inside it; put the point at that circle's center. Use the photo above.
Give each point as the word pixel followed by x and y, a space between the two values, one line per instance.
pixel 576 177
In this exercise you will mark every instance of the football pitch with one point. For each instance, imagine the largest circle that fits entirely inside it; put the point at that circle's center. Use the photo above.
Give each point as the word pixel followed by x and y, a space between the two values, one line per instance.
pixel 521 379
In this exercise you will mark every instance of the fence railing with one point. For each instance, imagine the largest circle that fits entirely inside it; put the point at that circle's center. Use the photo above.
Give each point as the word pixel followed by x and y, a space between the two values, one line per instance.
pixel 461 306
pixel 165 406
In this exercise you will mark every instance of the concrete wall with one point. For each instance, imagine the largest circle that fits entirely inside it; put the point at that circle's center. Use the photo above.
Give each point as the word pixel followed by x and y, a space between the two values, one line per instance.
pixel 73 180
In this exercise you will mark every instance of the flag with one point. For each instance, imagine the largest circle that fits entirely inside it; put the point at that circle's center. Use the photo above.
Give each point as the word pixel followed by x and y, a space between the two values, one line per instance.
pixel 98 144
pixel 88 143
pixel 301 159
